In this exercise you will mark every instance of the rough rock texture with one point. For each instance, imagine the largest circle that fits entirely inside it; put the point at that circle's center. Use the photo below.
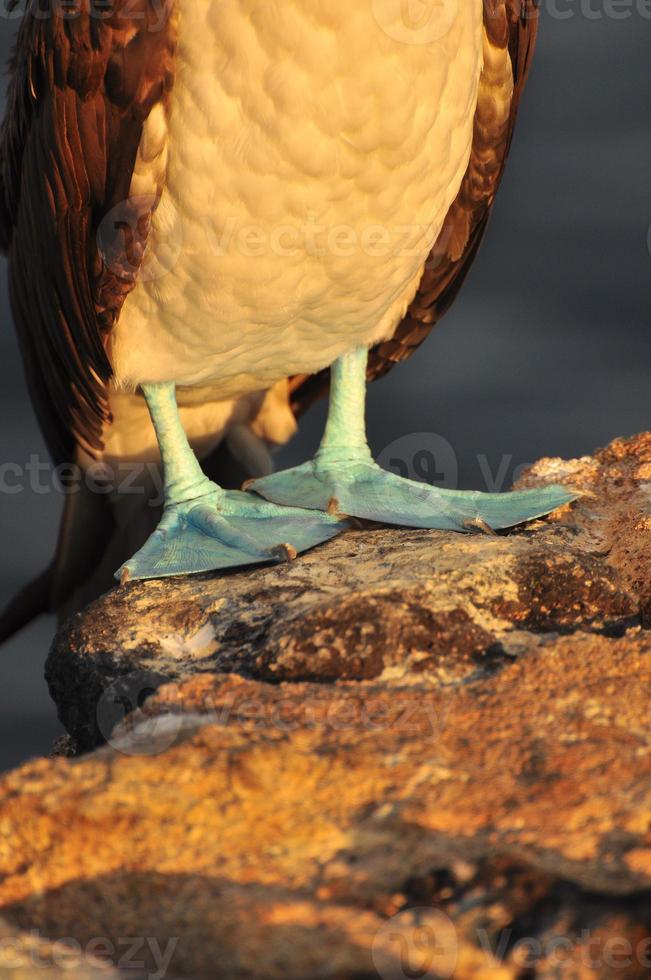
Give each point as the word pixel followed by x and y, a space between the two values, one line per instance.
pixel 379 602
pixel 406 754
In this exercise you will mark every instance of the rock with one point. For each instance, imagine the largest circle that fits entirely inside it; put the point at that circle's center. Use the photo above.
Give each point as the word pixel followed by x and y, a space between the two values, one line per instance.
pixel 375 601
pixel 405 754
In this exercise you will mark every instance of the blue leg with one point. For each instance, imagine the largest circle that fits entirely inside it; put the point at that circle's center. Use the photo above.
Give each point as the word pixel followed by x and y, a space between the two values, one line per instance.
pixel 343 478
pixel 204 527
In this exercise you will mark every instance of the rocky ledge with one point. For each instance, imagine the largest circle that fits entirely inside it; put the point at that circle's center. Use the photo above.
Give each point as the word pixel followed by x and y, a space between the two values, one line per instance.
pixel 405 754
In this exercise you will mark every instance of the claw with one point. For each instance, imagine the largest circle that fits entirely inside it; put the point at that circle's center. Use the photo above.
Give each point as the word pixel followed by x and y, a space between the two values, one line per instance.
pixel 333 507
pixel 285 552
pixel 479 524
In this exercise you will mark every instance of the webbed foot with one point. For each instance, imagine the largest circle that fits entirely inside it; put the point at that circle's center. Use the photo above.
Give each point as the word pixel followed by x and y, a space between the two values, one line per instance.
pixel 358 487
pixel 226 529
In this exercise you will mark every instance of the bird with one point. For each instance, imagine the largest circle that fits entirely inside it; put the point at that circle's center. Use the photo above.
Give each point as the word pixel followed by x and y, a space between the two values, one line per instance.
pixel 214 211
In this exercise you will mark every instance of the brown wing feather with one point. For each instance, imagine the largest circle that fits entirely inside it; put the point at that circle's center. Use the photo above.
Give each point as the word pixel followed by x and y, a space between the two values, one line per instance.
pixel 85 76
pixel 509 26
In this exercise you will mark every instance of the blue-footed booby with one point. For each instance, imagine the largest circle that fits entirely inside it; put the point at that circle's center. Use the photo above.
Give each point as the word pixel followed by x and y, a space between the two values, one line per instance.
pixel 207 203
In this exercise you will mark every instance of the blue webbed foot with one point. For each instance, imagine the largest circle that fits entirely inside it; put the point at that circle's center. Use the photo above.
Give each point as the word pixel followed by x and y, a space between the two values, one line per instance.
pixel 358 487
pixel 226 529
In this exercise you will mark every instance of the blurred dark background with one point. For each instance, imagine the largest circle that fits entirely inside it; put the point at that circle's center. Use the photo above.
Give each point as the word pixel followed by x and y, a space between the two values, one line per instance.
pixel 547 352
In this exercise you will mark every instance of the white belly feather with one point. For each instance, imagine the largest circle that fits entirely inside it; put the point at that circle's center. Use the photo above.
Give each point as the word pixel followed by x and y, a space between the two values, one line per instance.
pixel 311 159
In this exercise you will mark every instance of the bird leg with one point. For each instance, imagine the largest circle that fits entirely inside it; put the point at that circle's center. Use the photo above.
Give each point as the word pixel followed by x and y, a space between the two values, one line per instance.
pixel 344 479
pixel 205 527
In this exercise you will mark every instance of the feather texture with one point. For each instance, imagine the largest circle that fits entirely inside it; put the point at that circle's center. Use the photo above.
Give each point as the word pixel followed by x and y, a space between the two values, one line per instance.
pixel 83 84
pixel 510 29
pixel 85 77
